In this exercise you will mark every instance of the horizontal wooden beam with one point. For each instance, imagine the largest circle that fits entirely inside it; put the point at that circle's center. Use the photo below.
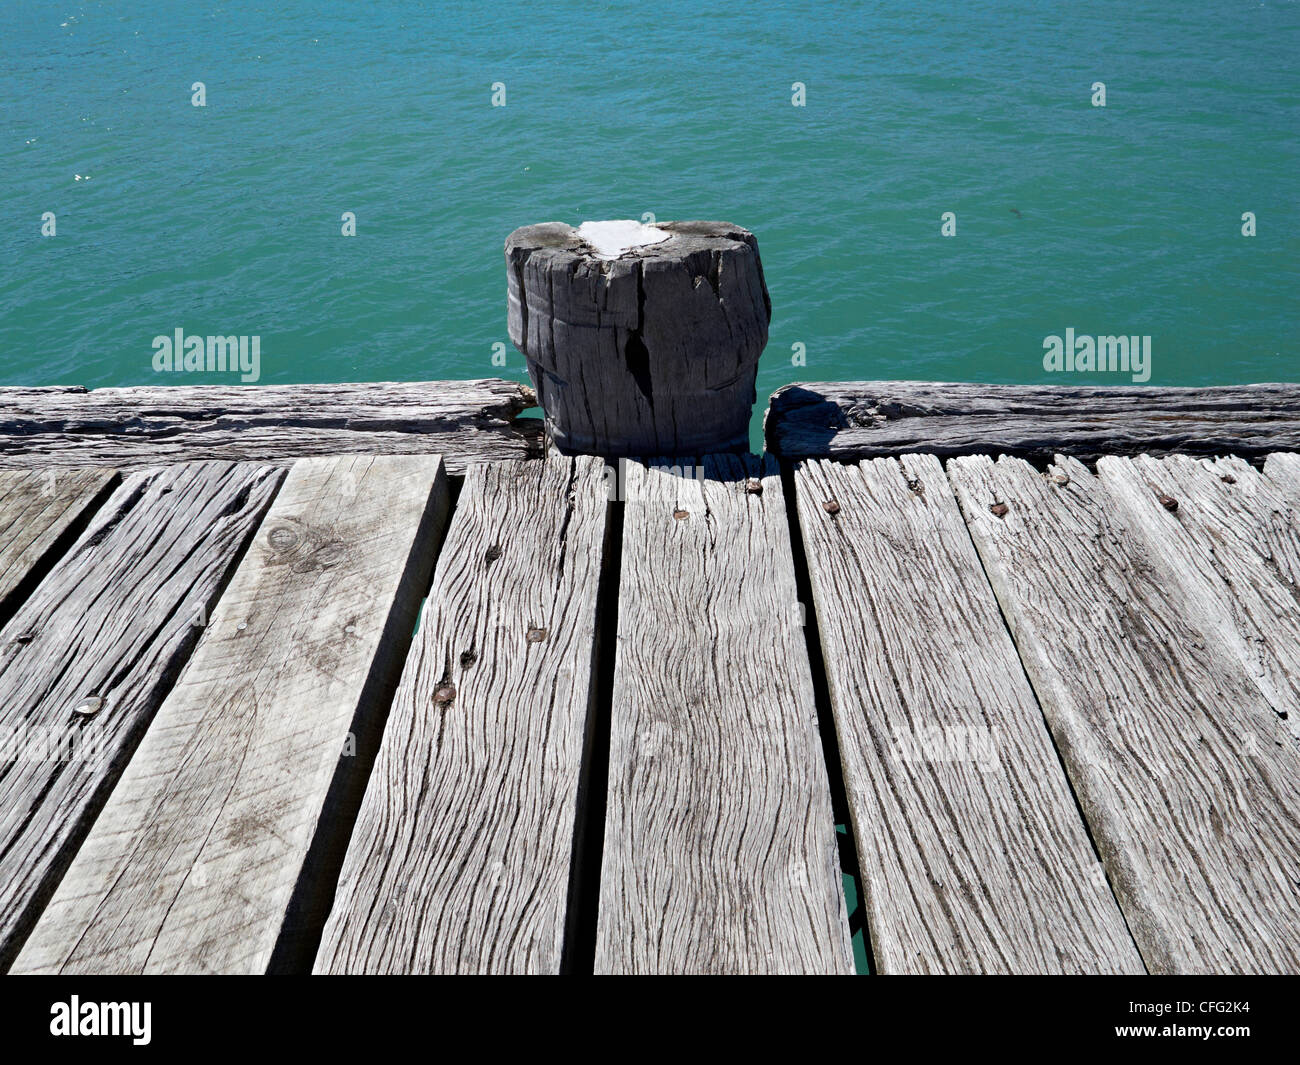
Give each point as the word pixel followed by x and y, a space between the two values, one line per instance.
pixel 464 421
pixel 849 421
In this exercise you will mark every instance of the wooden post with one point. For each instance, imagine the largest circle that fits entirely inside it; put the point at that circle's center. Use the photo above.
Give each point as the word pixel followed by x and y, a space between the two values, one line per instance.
pixel 640 339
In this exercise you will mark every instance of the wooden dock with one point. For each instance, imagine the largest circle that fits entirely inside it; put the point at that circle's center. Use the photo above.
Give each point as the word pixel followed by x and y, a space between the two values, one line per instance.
pixel 360 679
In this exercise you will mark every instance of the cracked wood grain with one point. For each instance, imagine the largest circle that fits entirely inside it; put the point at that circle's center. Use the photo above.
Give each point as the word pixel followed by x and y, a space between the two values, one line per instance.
pixel 972 851
pixel 89 657
pixel 654 352
pixel 39 511
pixel 197 859
pixel 460 860
pixel 1179 760
pixel 851 420
pixel 1235 543
pixel 720 852
pixel 462 421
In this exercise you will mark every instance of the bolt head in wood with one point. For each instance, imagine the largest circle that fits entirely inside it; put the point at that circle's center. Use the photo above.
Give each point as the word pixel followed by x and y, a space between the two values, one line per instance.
pixel 89 706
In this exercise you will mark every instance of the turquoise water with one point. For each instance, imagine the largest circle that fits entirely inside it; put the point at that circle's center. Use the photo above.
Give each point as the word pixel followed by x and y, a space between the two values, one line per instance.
pixel 226 219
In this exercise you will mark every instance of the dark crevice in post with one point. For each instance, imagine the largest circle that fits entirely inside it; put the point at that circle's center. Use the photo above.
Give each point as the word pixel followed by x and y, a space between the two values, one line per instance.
pixel 850 865
pixel 60 547
pixel 579 954
pixel 523 302
pixel 635 353
pixel 313 894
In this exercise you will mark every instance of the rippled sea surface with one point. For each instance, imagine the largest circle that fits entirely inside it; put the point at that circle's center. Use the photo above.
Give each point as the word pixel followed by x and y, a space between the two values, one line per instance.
pixel 225 219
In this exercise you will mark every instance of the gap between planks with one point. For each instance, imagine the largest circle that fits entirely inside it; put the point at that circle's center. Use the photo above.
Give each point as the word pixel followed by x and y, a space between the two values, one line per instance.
pixel 720 852
pixel 973 854
pixel 219 845
pixel 89 656
pixel 1145 660
pixel 461 860
pixel 42 512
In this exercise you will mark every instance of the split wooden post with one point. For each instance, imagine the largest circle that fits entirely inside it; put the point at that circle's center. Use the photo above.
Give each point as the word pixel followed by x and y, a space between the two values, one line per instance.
pixel 640 339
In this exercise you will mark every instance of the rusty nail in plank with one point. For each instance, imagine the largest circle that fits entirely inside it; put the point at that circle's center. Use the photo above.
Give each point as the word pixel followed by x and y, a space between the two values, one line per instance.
pixel 536 635
pixel 1168 502
pixel 1000 509
pixel 754 486
pixel 445 694
pixel 681 515
pixel 831 507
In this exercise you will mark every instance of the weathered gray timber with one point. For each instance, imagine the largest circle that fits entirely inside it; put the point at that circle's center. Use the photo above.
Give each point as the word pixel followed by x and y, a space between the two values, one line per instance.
pixel 872 419
pixel 1274 510
pixel 40 510
pixel 652 351
pixel 1214 533
pixel 972 852
pixel 460 859
pixel 464 421
pixel 719 853
pixel 1179 762
pixel 1284 471
pixel 194 862
pixel 88 658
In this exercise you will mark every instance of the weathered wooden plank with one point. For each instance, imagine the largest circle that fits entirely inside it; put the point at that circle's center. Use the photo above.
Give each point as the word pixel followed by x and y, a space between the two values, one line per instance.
pixel 1274 509
pixel 720 852
pixel 463 421
pixel 1283 470
pixel 205 842
pixel 88 658
pixel 873 419
pixel 460 860
pixel 1236 545
pixel 1183 770
pixel 40 512
pixel 972 852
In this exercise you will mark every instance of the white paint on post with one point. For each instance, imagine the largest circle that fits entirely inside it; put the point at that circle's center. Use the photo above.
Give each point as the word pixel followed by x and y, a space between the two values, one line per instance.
pixel 612 239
